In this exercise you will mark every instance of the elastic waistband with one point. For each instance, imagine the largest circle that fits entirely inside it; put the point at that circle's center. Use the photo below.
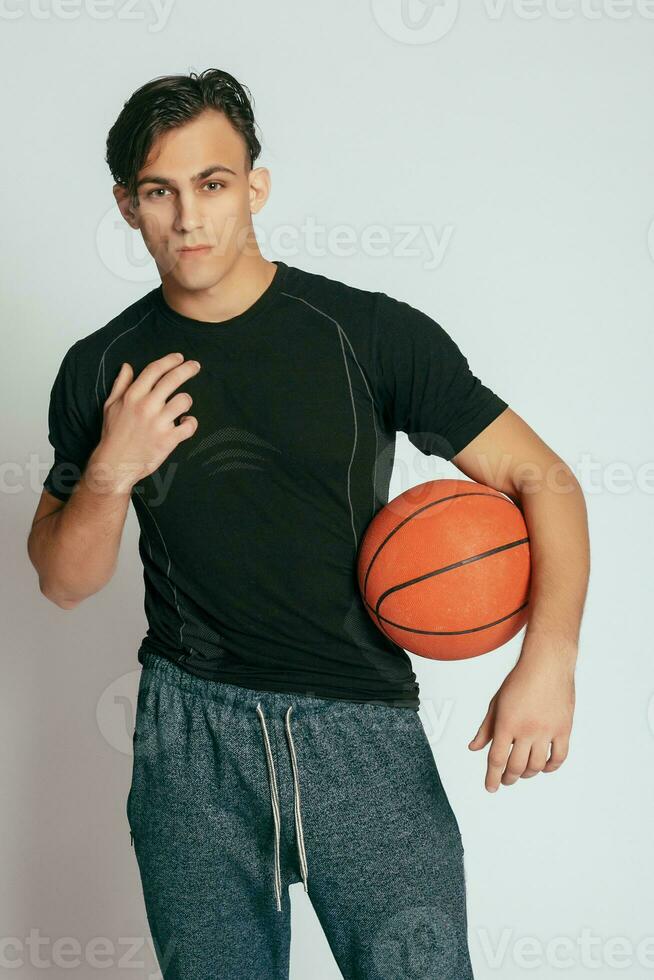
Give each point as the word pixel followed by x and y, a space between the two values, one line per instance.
pixel 235 697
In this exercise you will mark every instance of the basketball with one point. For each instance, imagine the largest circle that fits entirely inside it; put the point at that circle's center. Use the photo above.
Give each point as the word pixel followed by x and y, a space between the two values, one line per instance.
pixel 444 569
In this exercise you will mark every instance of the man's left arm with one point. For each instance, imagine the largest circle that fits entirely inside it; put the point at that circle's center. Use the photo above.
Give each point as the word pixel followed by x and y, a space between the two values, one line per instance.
pixel 534 706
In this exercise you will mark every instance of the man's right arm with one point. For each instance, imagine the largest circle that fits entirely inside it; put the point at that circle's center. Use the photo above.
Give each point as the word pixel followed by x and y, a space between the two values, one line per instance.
pixel 74 545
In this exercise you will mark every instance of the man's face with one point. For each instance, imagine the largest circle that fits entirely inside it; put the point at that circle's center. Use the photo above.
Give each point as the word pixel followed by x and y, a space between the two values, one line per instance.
pixel 181 204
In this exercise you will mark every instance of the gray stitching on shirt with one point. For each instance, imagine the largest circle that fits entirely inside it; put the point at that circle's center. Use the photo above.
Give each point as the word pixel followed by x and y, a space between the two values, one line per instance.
pixel 374 472
pixel 170 582
pixel 101 364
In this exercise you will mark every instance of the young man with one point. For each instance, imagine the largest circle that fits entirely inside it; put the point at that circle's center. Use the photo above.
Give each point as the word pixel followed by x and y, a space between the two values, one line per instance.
pixel 249 410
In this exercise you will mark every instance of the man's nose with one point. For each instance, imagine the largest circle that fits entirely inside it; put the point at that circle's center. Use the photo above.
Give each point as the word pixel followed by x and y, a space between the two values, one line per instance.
pixel 188 217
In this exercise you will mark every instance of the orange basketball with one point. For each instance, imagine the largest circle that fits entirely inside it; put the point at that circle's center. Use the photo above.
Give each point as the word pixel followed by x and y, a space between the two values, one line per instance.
pixel 444 569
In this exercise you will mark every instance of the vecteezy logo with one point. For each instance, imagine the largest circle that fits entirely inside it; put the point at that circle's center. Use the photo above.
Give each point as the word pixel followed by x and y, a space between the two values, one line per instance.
pixel 243 456
pixel 415 21
pixel 417 943
pixel 122 250
pixel 650 238
pixel 116 711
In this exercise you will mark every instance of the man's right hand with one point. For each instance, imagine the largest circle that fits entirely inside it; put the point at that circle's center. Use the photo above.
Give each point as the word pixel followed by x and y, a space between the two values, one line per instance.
pixel 138 428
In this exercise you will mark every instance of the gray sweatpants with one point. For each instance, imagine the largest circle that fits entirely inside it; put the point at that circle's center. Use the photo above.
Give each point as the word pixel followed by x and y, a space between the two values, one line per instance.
pixel 238 793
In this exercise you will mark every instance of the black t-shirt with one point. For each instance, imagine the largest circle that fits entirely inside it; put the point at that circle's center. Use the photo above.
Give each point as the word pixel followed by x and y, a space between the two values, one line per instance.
pixel 250 528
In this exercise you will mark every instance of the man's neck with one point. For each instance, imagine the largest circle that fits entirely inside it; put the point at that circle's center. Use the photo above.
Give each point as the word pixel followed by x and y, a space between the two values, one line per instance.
pixel 236 291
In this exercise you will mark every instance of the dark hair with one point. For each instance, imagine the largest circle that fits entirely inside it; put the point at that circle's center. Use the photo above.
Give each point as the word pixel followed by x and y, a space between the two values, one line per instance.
pixel 169 101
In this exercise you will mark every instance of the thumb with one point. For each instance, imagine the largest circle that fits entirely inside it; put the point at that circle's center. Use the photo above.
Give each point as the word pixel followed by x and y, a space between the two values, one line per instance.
pixel 484 733
pixel 122 381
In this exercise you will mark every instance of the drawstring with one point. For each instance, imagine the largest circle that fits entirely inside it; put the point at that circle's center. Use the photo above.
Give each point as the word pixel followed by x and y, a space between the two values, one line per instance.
pixel 296 796
pixel 274 798
pixel 275 806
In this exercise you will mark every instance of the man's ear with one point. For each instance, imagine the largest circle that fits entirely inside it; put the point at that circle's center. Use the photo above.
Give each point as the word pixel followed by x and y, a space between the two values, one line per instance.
pixel 124 202
pixel 259 181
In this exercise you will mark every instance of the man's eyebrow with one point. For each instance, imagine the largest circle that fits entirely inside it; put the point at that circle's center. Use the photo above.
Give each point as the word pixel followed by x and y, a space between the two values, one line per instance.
pixel 213 169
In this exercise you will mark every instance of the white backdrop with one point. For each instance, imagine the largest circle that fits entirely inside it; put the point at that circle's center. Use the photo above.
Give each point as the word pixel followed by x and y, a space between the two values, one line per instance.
pixel 506 152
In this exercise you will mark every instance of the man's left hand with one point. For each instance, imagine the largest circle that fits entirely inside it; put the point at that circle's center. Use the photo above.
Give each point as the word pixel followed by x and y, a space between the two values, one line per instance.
pixel 533 707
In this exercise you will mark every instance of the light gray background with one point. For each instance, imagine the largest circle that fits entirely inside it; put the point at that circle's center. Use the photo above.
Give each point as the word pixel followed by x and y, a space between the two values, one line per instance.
pixel 521 138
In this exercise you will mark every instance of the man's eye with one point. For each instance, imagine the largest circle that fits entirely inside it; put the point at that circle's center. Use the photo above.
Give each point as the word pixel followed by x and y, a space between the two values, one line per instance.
pixel 160 191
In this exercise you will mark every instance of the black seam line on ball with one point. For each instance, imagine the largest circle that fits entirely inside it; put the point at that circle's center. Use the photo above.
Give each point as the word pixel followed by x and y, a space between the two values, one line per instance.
pixel 448 568
pixel 432 503
pixel 473 629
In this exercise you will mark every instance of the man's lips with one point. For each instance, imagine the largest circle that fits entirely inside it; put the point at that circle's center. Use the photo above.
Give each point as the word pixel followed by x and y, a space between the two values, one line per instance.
pixel 194 248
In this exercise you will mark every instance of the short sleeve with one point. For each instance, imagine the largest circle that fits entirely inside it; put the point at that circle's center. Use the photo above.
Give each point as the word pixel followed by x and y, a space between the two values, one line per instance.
pixel 426 383
pixel 68 430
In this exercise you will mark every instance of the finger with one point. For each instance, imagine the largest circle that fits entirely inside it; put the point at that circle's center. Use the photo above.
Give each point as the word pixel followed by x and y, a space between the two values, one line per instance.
pixel 537 758
pixel 155 370
pixel 497 756
pixel 121 382
pixel 560 748
pixel 187 426
pixel 181 402
pixel 517 761
pixel 172 379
